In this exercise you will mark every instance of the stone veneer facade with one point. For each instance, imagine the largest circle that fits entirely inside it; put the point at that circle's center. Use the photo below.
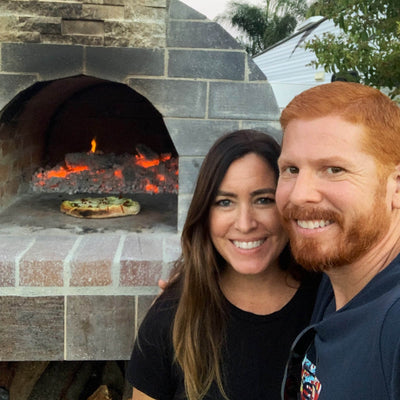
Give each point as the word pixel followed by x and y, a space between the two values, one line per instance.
pixel 82 296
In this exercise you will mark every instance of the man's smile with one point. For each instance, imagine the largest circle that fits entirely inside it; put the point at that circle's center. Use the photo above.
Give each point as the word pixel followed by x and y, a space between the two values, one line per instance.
pixel 313 224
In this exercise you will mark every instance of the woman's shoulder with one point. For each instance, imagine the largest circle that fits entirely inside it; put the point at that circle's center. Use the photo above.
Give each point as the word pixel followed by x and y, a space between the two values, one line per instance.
pixel 162 311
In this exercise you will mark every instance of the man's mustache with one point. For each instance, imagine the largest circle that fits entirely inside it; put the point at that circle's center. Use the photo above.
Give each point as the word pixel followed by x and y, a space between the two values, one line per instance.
pixel 293 212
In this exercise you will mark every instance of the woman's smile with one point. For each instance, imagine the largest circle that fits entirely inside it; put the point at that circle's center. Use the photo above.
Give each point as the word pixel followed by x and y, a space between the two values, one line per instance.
pixel 248 245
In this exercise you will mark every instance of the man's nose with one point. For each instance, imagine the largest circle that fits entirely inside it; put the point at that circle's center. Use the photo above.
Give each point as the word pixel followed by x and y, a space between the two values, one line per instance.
pixel 306 189
pixel 245 219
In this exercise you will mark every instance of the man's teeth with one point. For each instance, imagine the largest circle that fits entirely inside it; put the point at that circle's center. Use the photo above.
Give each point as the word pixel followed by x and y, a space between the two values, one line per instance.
pixel 313 224
pixel 248 245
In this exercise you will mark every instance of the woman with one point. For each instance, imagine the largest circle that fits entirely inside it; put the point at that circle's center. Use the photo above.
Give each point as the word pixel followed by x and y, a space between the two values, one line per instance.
pixel 223 327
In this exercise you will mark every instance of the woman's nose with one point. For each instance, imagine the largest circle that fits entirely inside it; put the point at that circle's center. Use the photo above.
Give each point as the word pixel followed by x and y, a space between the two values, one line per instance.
pixel 245 219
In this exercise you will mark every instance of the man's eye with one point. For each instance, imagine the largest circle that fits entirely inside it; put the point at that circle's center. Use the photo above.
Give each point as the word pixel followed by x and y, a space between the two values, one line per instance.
pixel 334 170
pixel 290 170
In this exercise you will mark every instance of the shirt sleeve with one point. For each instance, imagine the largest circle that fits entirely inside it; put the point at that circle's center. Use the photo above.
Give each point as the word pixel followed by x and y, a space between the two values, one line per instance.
pixel 150 368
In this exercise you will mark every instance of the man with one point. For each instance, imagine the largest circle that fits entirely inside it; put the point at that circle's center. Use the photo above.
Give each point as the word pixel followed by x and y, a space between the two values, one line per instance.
pixel 339 196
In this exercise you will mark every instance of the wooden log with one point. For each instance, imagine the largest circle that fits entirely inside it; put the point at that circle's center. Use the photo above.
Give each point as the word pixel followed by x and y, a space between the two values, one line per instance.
pixel 102 393
pixel 27 373
pixel 6 374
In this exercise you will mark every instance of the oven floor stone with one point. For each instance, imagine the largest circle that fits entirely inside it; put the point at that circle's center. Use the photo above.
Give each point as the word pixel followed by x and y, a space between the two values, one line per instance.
pixel 40 213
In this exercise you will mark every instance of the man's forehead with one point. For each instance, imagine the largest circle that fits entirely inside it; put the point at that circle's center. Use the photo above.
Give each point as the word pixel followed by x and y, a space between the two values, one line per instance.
pixel 327 138
pixel 323 130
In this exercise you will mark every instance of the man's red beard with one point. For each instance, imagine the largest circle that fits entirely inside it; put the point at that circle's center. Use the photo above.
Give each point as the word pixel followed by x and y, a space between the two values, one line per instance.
pixel 354 240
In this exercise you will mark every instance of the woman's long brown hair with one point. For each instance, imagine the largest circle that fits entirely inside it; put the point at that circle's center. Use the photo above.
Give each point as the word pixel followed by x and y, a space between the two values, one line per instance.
pixel 200 320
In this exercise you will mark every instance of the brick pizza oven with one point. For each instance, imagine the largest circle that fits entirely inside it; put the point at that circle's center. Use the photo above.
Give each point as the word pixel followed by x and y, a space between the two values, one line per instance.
pixel 128 72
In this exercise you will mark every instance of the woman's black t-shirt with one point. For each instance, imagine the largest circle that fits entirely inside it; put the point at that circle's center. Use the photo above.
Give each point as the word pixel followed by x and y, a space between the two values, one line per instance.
pixel 254 358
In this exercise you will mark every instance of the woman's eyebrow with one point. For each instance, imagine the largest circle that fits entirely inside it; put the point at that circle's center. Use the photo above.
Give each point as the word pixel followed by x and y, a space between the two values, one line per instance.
pixel 264 191
pixel 255 193
pixel 227 194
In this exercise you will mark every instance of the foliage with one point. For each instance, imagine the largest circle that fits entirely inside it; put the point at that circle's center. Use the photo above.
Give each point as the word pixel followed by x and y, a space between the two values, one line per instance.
pixel 369 44
pixel 264 26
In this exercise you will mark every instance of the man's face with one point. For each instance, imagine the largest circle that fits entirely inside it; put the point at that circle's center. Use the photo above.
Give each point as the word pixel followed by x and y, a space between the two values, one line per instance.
pixel 332 201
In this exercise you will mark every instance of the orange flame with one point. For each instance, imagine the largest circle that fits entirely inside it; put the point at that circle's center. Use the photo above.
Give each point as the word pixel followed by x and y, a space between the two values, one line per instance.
pixel 94 145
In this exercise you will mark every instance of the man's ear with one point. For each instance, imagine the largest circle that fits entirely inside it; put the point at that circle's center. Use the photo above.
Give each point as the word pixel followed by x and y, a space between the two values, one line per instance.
pixel 396 193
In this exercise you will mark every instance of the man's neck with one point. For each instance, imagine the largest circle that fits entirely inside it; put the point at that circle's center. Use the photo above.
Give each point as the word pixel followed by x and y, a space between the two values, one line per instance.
pixel 348 280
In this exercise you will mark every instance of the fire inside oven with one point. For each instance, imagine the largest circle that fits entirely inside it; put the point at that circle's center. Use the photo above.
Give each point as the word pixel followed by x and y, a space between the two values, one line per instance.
pixel 96 172
pixel 92 138
pixel 107 139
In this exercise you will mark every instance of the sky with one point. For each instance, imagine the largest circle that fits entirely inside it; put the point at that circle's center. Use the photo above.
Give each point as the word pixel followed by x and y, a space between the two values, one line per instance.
pixel 212 8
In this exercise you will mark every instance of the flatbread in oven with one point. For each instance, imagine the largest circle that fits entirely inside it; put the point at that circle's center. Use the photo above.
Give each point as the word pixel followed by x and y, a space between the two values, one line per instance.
pixel 100 207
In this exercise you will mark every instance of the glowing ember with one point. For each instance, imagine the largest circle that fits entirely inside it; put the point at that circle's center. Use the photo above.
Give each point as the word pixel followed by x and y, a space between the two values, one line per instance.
pixel 151 188
pixel 118 174
pixel 144 162
pixel 62 172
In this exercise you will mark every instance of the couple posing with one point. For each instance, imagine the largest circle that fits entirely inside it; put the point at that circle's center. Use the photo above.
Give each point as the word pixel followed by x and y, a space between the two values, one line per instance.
pixel 224 326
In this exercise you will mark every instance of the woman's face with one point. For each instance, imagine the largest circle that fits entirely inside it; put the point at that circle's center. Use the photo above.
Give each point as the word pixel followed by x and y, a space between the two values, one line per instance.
pixel 244 222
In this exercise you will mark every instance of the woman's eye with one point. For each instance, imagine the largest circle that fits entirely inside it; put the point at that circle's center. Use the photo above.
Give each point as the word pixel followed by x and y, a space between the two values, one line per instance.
pixel 334 170
pixel 266 200
pixel 223 203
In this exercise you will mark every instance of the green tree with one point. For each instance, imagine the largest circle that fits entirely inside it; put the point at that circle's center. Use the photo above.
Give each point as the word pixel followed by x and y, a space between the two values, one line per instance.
pixel 264 26
pixel 369 43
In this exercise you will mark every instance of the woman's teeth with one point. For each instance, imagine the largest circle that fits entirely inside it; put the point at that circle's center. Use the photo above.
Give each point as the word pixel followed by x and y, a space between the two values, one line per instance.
pixel 248 245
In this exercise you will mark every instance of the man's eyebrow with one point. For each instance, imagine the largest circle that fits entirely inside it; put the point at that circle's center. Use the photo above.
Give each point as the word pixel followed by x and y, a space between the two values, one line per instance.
pixel 326 160
pixel 281 159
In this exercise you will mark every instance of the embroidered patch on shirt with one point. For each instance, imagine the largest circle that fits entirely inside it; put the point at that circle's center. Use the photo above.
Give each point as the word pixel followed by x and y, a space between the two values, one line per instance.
pixel 310 385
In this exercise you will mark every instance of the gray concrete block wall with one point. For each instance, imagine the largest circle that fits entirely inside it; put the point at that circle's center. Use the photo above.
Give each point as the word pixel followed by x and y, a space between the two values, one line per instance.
pixel 117 63
pixel 12 84
pixel 206 64
pixel 194 137
pixel 199 35
pixel 242 101
pixel 174 97
pixel 50 61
